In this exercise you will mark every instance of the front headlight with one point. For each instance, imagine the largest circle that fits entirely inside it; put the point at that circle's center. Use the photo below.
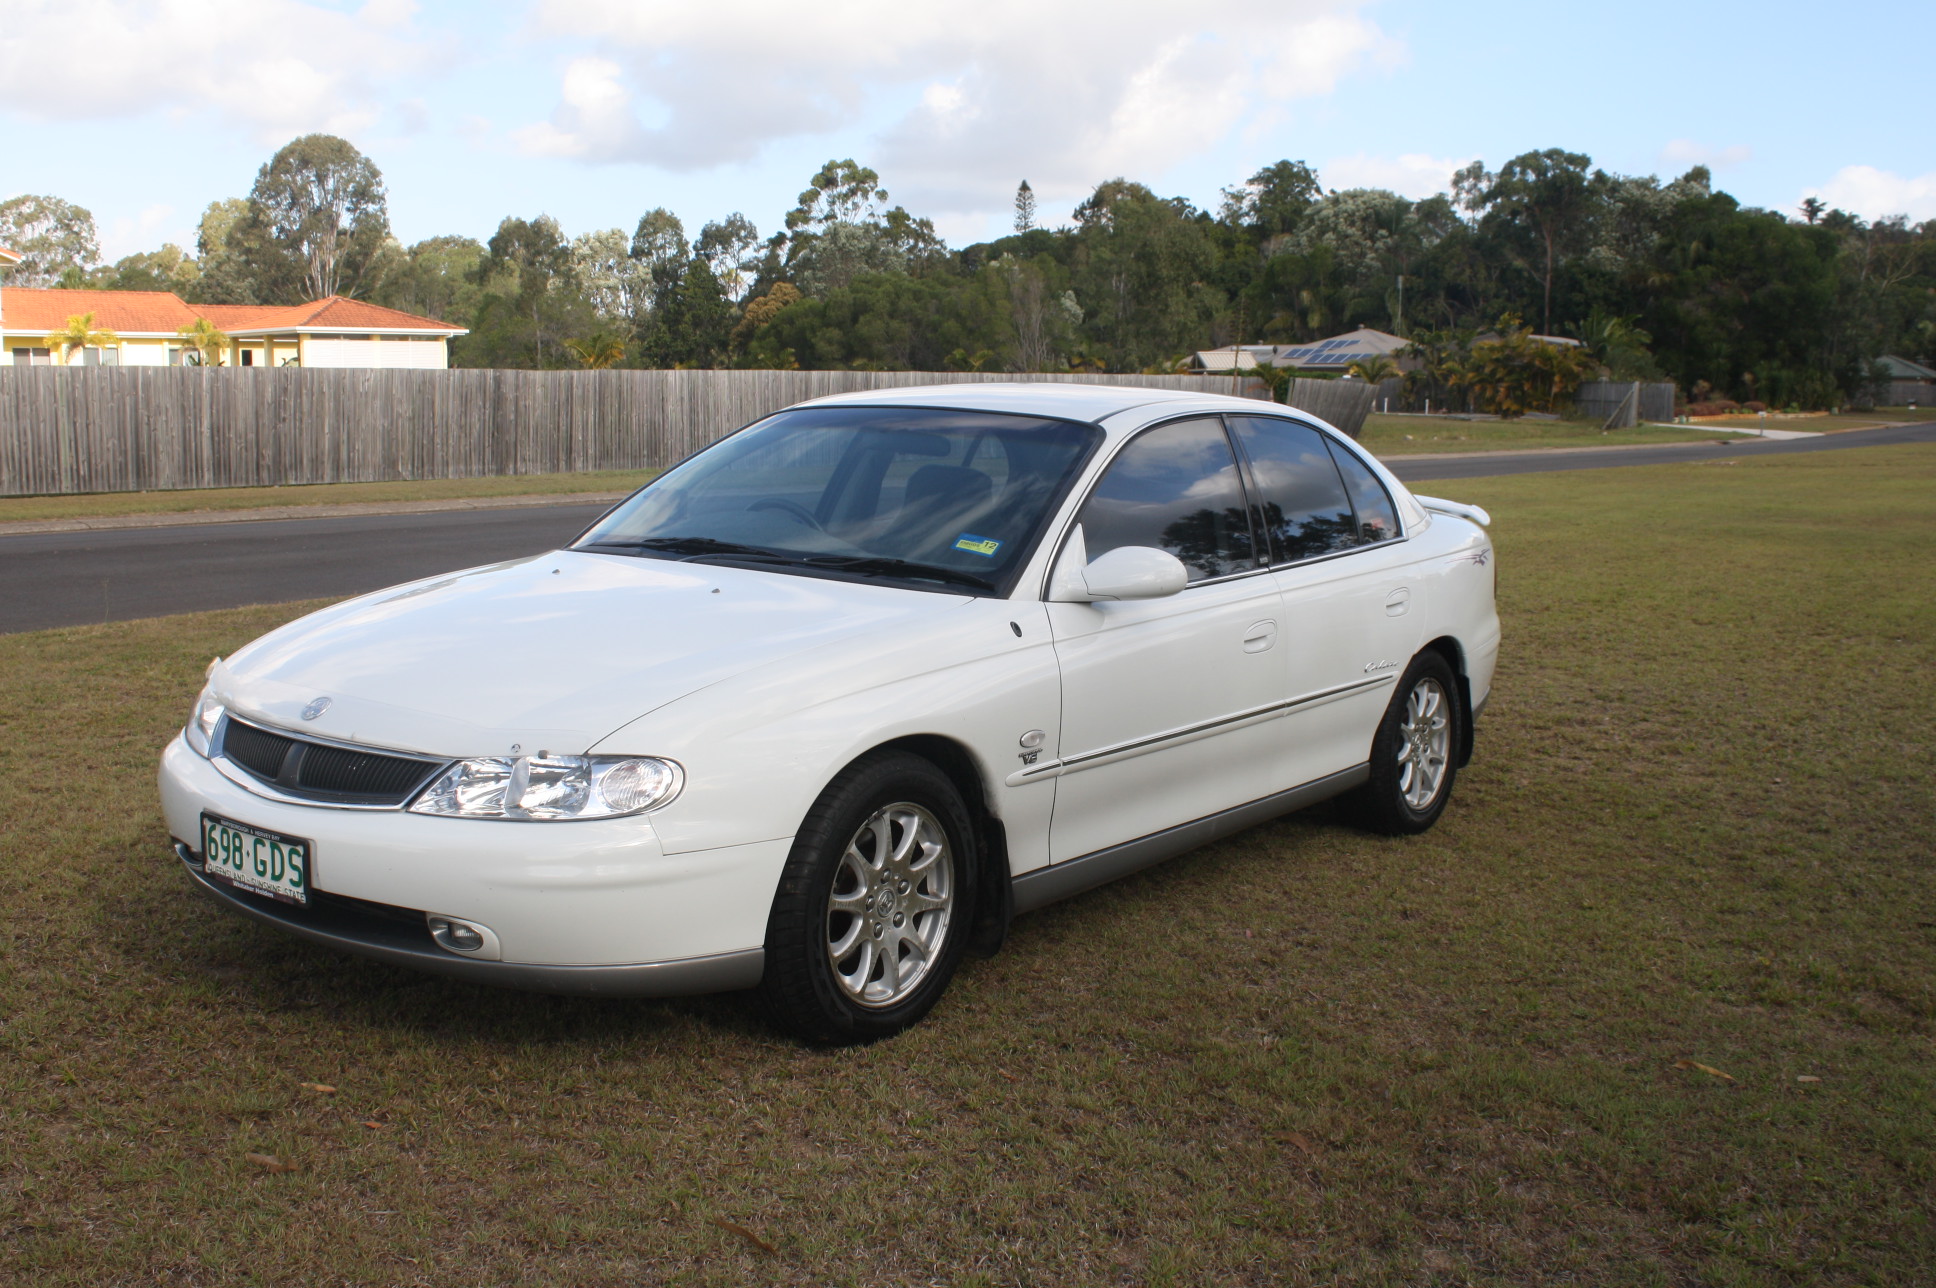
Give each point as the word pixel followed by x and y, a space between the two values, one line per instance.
pixel 543 788
pixel 202 720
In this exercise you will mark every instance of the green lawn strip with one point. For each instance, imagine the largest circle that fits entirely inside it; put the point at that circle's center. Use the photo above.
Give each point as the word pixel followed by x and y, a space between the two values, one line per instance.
pixel 98 504
pixel 1829 423
pixel 1409 435
pixel 1699 829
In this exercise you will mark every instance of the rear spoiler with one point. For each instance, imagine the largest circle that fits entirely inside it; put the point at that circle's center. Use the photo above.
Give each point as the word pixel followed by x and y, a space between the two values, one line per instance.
pixel 1463 511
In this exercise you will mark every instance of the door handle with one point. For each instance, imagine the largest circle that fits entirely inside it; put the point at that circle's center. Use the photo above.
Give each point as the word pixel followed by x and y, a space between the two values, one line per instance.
pixel 1260 636
pixel 1398 602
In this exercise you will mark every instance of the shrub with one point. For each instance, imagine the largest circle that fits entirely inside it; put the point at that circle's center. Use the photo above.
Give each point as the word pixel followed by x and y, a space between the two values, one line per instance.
pixel 1714 407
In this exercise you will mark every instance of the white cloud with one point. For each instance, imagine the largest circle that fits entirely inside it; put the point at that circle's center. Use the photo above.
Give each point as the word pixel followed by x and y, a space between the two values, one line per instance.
pixel 1687 152
pixel 276 67
pixel 1413 175
pixel 1877 194
pixel 146 231
pixel 1064 94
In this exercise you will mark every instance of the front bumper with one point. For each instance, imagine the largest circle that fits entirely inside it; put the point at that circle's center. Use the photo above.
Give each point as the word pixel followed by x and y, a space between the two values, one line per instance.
pixel 594 906
pixel 393 940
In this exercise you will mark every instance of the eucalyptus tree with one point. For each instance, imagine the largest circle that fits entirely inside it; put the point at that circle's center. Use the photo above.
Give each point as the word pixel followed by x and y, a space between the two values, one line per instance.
pixel 55 238
pixel 318 217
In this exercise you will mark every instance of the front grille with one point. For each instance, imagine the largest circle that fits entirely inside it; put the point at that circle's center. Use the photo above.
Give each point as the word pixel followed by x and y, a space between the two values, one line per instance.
pixel 321 772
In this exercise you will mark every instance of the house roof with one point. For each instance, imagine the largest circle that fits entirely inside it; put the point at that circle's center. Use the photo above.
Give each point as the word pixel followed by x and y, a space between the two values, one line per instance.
pixel 1341 351
pixel 10 256
pixel 32 310
pixel 1904 369
pixel 332 314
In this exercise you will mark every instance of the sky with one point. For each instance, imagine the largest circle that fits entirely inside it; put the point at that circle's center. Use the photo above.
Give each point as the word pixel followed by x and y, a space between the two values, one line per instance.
pixel 595 111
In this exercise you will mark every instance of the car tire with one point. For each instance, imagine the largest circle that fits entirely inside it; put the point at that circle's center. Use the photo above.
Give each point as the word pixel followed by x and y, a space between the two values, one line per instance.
pixel 1414 754
pixel 875 905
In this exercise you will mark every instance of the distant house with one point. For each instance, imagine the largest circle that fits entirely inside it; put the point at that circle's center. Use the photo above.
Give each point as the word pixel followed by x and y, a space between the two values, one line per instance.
pixel 8 258
pixel 1340 351
pixel 1906 383
pixel 148 325
pixel 1326 357
pixel 1323 357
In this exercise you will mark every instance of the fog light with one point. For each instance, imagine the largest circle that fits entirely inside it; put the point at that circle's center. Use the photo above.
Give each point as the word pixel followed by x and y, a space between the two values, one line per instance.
pixel 460 936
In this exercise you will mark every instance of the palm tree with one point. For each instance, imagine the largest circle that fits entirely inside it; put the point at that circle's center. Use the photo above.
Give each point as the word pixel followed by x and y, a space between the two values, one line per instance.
pixel 80 333
pixel 1374 369
pixel 600 351
pixel 207 340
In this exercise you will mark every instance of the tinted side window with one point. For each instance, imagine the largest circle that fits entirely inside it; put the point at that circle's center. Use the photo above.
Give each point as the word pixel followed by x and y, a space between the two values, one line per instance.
pixel 1377 517
pixel 1305 509
pixel 1175 488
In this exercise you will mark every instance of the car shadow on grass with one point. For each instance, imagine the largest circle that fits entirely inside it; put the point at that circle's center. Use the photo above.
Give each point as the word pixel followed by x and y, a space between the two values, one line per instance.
pixel 170 931
pixel 252 973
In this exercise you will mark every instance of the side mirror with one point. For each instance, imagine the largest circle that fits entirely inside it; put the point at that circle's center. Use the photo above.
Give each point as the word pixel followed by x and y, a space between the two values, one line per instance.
pixel 1127 572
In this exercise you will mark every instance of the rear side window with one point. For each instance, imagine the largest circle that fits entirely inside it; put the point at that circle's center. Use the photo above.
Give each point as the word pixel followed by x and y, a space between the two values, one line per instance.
pixel 1377 517
pixel 1305 509
pixel 1175 487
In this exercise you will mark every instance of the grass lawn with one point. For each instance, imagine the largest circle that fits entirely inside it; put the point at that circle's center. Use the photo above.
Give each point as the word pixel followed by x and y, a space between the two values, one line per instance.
pixel 1826 424
pixel 1698 837
pixel 95 505
pixel 1406 435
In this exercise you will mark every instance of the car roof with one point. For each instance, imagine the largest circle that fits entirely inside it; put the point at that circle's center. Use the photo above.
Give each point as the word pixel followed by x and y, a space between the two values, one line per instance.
pixel 1068 400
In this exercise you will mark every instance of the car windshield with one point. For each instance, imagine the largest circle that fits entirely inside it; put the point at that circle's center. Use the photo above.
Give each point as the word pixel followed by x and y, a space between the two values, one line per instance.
pixel 946 500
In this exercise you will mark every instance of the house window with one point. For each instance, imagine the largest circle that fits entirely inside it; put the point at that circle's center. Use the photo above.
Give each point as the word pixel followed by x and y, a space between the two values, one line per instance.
pixel 99 357
pixel 248 357
pixel 33 357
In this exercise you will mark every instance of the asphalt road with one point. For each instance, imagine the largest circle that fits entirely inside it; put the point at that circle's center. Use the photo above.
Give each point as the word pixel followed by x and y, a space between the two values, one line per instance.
pixel 71 578
pixel 1490 464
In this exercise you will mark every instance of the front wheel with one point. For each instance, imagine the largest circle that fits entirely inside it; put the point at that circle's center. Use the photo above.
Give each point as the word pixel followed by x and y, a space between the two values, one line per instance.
pixel 1414 754
pixel 875 904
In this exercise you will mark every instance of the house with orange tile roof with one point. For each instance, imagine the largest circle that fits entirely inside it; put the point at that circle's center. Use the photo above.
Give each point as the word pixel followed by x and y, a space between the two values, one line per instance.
pixel 8 258
pixel 148 327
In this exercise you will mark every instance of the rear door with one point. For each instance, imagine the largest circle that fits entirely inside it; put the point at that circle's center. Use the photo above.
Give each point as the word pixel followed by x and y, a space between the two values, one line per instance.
pixel 1345 576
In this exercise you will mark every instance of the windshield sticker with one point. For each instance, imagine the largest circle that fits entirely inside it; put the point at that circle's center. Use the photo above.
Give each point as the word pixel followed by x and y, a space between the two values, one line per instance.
pixel 975 545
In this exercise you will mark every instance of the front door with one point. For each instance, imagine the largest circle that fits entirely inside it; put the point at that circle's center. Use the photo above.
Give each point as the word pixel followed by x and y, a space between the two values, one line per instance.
pixel 1167 704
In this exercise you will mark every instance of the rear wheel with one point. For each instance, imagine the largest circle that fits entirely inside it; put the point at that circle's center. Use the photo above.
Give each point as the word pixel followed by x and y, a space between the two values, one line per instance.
pixel 1414 754
pixel 874 906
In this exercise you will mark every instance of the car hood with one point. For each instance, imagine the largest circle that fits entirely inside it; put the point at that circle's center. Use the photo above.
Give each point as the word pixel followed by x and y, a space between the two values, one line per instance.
pixel 550 653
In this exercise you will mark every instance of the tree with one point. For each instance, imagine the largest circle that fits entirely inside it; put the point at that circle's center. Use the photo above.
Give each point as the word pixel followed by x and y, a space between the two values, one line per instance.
pixel 169 269
pixel 529 302
pixel 763 310
pixel 55 238
pixel 205 341
pixel 227 276
pixel 597 351
pixel 319 208
pixel 1549 193
pixel 659 245
pixel 1273 201
pixel 79 332
pixel 1813 208
pixel 728 246
pixel 1024 207
pixel 618 286
pixel 842 228
pixel 692 324
pixel 435 278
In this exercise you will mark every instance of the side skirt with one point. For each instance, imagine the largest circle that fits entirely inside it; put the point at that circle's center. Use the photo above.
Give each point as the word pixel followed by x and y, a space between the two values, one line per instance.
pixel 1071 877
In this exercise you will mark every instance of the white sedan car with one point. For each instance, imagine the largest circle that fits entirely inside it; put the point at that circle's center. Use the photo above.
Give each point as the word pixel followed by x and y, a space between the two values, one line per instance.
pixel 823 707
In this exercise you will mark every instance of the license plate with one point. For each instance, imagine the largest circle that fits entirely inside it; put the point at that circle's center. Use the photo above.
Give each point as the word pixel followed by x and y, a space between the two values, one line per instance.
pixel 265 862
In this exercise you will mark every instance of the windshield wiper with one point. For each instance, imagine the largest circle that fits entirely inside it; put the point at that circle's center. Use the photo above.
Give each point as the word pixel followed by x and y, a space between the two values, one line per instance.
pixel 897 568
pixel 692 547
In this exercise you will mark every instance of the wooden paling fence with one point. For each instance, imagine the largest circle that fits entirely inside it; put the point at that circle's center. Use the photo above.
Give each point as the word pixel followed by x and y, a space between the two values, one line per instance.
pixel 132 429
